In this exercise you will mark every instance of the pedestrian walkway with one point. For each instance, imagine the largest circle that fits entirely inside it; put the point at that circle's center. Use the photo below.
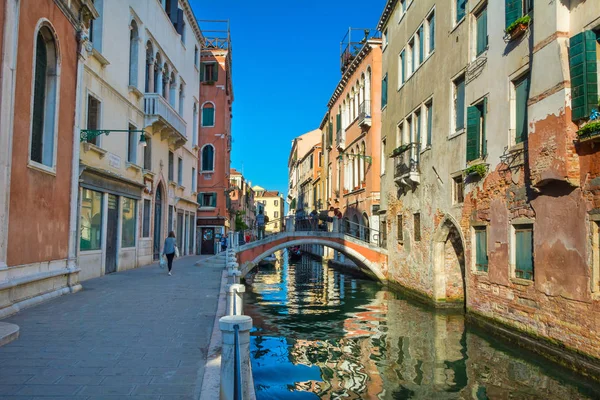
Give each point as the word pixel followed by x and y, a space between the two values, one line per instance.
pixel 138 334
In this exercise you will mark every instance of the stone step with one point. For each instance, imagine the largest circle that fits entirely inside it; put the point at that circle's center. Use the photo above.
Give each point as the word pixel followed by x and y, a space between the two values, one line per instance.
pixel 8 333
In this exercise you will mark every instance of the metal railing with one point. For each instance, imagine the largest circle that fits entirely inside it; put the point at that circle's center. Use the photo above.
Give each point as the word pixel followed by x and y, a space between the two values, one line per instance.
pixel 156 105
pixel 364 110
pixel 406 160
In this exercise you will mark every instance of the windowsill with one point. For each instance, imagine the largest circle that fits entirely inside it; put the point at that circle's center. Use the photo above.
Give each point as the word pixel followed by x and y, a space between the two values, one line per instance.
pixel 479 273
pixel 207 172
pixel 481 55
pixel 145 238
pixel 355 191
pixel 416 70
pixel 101 59
pixel 426 149
pixel 172 183
pixel 133 166
pixel 458 205
pixel 148 173
pixel 209 83
pixel 180 187
pixel 517 147
pixel 207 126
pixel 457 134
pixel 207 208
pixel 92 147
pixel 521 282
pixel 136 91
pixel 41 167
pixel 383 108
pixel 90 252
pixel 128 248
pixel 458 23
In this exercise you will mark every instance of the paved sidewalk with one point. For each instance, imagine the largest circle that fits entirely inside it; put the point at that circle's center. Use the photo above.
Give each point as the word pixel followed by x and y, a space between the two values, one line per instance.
pixel 138 334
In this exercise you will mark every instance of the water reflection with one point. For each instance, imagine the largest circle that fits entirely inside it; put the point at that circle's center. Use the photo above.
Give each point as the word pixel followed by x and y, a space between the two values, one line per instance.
pixel 322 334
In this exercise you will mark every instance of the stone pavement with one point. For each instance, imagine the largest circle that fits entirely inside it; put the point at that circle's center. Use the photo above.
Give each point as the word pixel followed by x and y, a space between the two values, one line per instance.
pixel 138 334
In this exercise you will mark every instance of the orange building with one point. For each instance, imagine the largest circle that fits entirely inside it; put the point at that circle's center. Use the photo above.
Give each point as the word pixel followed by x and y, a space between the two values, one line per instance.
pixel 352 140
pixel 39 148
pixel 216 99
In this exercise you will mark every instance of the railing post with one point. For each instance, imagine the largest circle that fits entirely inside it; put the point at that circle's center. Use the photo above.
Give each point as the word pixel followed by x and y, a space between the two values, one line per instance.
pixel 229 325
pixel 235 299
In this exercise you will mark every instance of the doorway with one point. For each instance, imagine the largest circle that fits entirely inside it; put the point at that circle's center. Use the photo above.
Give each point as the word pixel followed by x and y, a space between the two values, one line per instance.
pixel 180 232
pixel 208 241
pixel 112 226
pixel 449 264
pixel 157 222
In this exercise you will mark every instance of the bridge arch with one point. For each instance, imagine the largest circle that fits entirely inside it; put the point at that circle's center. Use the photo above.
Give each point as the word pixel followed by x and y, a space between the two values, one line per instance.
pixel 367 257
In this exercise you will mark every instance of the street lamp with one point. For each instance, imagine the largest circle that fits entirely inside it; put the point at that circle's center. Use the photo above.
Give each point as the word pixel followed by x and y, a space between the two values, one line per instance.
pixel 88 134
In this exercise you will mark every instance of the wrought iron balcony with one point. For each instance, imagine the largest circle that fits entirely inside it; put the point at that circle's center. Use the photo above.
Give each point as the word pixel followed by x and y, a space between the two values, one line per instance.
pixel 406 165
pixel 340 139
pixel 164 119
pixel 364 114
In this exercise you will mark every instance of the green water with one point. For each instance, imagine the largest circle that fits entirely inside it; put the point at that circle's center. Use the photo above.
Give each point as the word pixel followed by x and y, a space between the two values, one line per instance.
pixel 319 333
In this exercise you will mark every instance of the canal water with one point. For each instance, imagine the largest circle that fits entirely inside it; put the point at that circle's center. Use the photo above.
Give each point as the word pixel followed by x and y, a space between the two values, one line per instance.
pixel 320 333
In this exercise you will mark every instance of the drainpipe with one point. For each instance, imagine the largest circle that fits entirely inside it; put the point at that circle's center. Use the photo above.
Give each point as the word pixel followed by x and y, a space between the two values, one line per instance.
pixel 82 52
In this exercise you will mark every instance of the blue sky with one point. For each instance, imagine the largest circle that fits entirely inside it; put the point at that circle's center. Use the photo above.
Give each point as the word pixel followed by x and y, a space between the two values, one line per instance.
pixel 285 68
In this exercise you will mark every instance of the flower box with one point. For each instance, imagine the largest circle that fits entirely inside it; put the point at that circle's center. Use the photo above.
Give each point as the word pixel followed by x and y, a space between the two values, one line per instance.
pixel 519 27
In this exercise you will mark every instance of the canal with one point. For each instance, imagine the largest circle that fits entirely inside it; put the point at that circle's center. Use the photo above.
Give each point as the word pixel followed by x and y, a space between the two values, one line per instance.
pixel 321 333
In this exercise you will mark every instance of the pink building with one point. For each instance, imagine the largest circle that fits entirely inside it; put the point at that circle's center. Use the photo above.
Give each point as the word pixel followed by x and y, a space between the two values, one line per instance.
pixel 216 98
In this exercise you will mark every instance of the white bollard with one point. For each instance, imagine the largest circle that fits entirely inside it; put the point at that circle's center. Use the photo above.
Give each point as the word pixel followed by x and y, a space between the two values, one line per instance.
pixel 235 299
pixel 228 356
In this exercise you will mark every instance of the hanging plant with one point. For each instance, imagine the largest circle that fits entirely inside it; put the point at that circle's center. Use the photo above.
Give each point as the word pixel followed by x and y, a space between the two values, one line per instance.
pixel 589 130
pixel 476 170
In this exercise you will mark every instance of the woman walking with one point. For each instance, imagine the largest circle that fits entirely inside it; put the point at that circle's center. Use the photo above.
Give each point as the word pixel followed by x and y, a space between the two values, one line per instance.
pixel 169 249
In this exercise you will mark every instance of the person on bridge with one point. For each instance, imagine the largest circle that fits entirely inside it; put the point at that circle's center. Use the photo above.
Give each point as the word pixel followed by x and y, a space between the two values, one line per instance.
pixel 169 249
pixel 260 223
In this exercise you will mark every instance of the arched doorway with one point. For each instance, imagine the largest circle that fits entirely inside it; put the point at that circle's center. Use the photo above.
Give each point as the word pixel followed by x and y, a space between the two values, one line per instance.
pixel 449 285
pixel 355 226
pixel 157 222
pixel 365 227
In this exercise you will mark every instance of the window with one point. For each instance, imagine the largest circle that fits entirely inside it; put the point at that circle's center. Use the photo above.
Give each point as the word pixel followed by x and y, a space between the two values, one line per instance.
pixel 93 116
pixel 403 5
pixel 584 59
pixel 417 226
pixel 170 218
pixel 523 251
pixel 459 104
pixel 133 54
pixel 385 38
pixel 180 171
pixel 132 145
pixel 128 222
pixel 146 218
pixel 481 254
pixel 411 57
pixel 429 122
pixel 171 167
pixel 207 199
pixel 311 161
pixel 208 158
pixel 43 132
pixel 276 203
pixel 194 181
pixel 400 228
pixel 276 214
pixel 148 154
pixel 382 157
pixel 382 231
pixel 421 40
pixel 181 98
pixel 95 32
pixel 431 33
pixel 418 127
pixel 476 131
pixel 482 32
pixel 208 115
pixel 91 220
pixel 521 95
pixel 209 72
pixel 384 89
pixel 458 190
pixel 195 125
pixel 461 9
pixel 515 9
pixel 196 56
pixel 402 67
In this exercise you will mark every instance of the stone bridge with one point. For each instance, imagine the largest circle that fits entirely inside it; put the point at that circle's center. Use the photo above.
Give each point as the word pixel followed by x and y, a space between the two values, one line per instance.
pixel 370 258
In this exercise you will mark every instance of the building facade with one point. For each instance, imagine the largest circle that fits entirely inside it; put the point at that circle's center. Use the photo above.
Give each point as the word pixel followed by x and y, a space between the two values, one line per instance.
pixel 243 205
pixel 309 169
pixel 139 152
pixel 273 208
pixel 491 164
pixel 43 48
pixel 216 99
pixel 301 146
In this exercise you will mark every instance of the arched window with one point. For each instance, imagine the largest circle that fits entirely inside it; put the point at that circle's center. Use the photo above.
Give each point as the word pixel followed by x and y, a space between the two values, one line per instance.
pixel 368 85
pixel 157 87
pixel 149 67
pixel 133 53
pixel 166 82
pixel 45 75
pixel 363 153
pixel 173 90
pixel 208 115
pixel 208 158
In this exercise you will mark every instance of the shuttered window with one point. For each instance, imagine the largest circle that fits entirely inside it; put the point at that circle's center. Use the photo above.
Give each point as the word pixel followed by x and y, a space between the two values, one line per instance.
pixel 208 115
pixel 93 117
pixel 481 256
pixel 476 116
pixel 459 104
pixel 399 227
pixel 132 145
pixel 521 94
pixel 429 110
pixel 482 32
pixel 148 154
pixel 330 133
pixel 39 99
pixel 513 11
pixel 524 252
pixel 208 153
pixel 338 122
pixel 384 90
pixel 207 199
pixel 431 20
pixel 583 65
pixel 180 171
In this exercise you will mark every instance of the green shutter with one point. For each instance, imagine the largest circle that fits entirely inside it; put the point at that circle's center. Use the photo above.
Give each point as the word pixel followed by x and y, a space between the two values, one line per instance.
pixel 338 122
pixel 330 137
pixel 473 133
pixel 484 128
pixel 429 123
pixel 202 66
pixel 384 89
pixel 402 67
pixel 208 116
pixel 421 45
pixel 584 74
pixel 216 72
pixel 213 200
pixel 482 32
pixel 524 253
pixel 432 33
pixel 460 105
pixel 513 11
pixel 481 257
pixel 522 93
pixel 461 9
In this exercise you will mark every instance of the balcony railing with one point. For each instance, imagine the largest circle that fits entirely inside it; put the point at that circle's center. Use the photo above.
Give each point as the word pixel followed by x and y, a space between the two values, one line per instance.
pixel 340 139
pixel 364 113
pixel 406 164
pixel 157 108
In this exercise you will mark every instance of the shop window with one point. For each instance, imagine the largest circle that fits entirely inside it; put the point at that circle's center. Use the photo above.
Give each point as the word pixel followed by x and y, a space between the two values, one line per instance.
pixel 146 218
pixel 91 220
pixel 128 222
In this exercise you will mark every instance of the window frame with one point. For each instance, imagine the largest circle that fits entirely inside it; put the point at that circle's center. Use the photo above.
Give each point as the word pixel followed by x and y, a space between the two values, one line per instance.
pixel 212 170
pixel 454 101
pixel 146 229
pixel 458 182
pixel 171 167
pixel 400 228
pixel 214 116
pixel 179 171
pixel 91 94
pixel 514 83
pixel 477 14
pixel 81 216
pixel 518 226
pixel 122 222
pixel 417 226
pixel 475 230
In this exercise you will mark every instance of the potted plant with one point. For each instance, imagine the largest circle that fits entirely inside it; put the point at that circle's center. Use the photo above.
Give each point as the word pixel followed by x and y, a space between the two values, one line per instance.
pixel 399 150
pixel 345 191
pixel 518 27
pixel 589 130
pixel 364 184
pixel 476 171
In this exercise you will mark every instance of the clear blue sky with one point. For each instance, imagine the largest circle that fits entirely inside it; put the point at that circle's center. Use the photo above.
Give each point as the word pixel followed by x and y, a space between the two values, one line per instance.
pixel 285 68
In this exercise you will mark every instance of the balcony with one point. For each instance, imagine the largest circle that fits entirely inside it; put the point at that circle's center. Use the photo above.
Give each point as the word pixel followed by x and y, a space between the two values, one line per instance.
pixel 164 119
pixel 406 165
pixel 364 114
pixel 340 139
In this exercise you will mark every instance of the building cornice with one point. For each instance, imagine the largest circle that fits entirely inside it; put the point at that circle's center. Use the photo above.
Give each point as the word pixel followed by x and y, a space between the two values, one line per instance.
pixel 193 22
pixel 386 14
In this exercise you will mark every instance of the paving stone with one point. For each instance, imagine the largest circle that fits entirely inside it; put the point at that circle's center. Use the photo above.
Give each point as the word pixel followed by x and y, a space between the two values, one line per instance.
pixel 48 390
pixel 185 390
pixel 80 380
pixel 105 390
pixel 125 380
